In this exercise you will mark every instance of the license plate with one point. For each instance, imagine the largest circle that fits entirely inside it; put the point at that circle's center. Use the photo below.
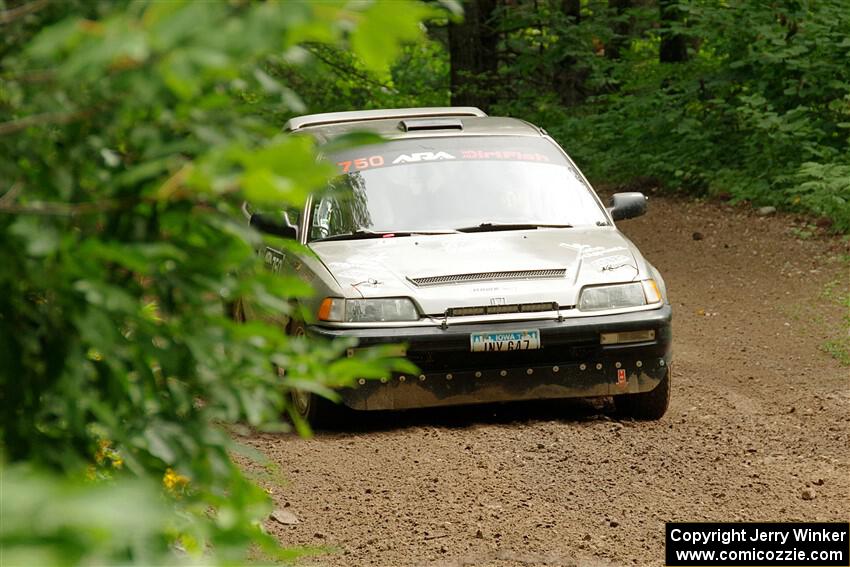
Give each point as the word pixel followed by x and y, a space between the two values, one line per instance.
pixel 528 339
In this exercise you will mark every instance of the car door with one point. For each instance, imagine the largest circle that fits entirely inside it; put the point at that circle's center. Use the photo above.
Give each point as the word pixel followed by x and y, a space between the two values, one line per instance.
pixel 276 258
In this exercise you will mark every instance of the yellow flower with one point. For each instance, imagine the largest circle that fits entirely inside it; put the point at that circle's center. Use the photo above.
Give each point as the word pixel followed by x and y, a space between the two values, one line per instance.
pixel 172 480
pixel 102 451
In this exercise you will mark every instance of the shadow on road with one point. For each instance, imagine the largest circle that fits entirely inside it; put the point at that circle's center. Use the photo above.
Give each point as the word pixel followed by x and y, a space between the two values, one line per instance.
pixel 459 417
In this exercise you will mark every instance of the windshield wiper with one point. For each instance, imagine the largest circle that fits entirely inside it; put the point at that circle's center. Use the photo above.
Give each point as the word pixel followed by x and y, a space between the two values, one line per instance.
pixel 494 226
pixel 362 234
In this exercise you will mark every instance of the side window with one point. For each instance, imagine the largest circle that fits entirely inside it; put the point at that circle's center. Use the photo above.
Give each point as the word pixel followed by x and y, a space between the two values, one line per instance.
pixel 323 214
pixel 343 209
pixel 294 215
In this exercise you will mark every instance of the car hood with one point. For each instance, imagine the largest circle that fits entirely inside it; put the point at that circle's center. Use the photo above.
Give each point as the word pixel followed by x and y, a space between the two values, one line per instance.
pixel 388 267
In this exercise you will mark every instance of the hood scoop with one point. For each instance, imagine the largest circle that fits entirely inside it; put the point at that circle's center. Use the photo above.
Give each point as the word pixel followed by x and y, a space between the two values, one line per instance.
pixel 488 276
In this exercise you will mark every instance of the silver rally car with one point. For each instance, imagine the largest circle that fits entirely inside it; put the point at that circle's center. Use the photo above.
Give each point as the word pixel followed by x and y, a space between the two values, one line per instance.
pixel 476 242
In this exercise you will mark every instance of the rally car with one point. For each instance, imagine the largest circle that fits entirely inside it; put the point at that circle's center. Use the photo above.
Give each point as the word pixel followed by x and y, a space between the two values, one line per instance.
pixel 477 243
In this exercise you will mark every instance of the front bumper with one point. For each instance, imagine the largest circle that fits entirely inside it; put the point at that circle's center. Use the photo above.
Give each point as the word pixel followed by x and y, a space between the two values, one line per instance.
pixel 570 363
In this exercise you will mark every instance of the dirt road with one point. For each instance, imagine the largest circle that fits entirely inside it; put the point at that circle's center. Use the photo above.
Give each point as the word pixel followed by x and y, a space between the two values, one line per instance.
pixel 759 414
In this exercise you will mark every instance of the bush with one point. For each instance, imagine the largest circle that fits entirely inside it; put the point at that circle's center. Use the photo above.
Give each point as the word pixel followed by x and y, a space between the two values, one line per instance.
pixel 130 134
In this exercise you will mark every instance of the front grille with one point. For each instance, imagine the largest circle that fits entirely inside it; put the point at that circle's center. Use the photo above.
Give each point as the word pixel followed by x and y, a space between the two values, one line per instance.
pixel 501 309
pixel 489 276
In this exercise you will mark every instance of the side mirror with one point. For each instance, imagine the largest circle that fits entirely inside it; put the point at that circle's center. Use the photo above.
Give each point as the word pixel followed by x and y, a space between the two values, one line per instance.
pixel 272 224
pixel 627 205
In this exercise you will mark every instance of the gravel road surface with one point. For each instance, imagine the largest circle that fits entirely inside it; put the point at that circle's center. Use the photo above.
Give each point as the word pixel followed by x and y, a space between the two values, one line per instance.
pixel 758 428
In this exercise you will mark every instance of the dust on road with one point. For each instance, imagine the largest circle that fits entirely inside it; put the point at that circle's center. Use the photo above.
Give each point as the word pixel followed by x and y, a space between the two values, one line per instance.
pixel 758 428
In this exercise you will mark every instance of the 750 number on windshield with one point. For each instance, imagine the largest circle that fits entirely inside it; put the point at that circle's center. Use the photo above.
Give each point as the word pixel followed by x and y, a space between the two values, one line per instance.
pixel 361 163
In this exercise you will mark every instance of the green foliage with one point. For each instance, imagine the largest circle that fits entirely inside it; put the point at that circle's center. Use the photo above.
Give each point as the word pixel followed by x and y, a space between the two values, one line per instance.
pixel 761 110
pixel 130 134
pixel 335 80
pixel 547 59
pixel 59 522
pixel 824 189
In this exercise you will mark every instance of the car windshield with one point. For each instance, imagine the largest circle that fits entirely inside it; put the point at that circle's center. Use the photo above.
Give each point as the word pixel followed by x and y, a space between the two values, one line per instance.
pixel 446 184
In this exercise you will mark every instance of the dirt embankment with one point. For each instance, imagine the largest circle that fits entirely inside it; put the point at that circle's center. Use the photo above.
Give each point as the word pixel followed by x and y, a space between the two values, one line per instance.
pixel 758 429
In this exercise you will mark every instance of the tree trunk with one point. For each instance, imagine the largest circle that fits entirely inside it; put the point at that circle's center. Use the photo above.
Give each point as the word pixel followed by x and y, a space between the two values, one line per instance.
pixel 621 28
pixel 572 9
pixel 568 79
pixel 674 46
pixel 472 55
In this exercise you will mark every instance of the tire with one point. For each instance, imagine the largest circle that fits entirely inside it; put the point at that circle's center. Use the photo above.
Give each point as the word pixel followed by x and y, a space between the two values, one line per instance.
pixel 316 410
pixel 646 406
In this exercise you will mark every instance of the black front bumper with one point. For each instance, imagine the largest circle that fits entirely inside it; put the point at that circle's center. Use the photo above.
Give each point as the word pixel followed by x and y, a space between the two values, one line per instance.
pixel 570 363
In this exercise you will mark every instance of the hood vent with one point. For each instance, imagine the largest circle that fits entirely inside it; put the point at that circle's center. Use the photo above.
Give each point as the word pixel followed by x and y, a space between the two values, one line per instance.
pixel 489 276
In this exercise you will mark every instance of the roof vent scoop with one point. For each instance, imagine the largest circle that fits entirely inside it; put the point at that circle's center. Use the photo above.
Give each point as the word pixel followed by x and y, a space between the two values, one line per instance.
pixel 413 125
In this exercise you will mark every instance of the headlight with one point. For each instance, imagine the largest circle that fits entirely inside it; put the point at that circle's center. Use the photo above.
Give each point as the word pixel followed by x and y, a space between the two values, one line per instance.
pixel 368 310
pixel 619 295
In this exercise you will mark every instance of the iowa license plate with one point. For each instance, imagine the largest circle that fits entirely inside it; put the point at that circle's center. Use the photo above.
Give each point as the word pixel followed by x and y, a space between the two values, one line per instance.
pixel 527 339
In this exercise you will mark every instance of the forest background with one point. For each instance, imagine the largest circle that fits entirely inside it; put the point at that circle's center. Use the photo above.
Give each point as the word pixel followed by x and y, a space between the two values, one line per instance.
pixel 742 101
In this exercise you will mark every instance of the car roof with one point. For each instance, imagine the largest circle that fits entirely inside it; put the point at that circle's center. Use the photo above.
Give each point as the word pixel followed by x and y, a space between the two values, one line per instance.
pixel 412 123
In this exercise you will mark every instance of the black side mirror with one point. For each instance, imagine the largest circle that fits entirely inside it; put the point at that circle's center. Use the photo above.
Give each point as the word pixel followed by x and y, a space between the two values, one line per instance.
pixel 627 205
pixel 271 224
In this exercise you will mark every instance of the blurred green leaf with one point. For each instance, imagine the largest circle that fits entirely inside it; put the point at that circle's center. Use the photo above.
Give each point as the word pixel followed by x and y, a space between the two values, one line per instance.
pixel 384 27
pixel 134 133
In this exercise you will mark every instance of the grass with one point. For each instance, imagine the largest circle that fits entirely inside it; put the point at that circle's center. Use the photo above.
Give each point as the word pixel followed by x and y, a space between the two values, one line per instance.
pixel 839 349
pixel 838 291
pixel 804 233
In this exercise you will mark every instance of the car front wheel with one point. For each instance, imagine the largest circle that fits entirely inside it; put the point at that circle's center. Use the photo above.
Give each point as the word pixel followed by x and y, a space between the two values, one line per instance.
pixel 316 410
pixel 650 405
